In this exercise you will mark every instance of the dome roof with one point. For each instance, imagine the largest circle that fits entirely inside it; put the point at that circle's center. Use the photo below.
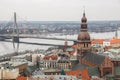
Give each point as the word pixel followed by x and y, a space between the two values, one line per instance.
pixel 83 36
pixel 84 19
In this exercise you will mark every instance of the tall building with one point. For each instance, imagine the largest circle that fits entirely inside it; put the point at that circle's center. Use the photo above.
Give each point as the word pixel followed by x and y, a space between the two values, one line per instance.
pixel 83 41
pixel 87 59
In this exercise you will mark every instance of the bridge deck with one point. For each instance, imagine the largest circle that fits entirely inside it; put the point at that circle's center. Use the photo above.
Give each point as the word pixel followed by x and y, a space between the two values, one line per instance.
pixel 34 36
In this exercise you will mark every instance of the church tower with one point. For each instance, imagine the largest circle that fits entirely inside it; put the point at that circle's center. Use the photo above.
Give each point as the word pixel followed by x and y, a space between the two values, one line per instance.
pixel 83 41
pixel 116 35
pixel 65 44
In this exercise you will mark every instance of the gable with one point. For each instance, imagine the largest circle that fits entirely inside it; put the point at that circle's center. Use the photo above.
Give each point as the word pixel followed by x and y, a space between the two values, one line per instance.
pixel 107 62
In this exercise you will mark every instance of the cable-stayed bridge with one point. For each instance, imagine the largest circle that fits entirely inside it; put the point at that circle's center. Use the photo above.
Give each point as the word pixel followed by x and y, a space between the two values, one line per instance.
pixel 9 36
pixel 14 36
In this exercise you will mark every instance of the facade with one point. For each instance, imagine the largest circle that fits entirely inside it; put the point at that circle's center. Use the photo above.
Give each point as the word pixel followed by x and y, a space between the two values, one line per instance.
pixel 15 65
pixel 35 56
pixel 8 74
pixel 55 61
pixel 106 43
pixel 107 67
pixel 115 42
pixel 20 65
pixel 49 62
pixel 64 61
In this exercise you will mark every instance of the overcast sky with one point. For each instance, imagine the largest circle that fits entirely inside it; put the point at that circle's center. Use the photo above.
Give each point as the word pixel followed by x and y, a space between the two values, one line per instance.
pixel 60 10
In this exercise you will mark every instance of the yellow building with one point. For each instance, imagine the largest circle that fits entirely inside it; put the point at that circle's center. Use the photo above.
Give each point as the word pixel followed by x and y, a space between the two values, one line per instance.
pixel 9 73
pixel 20 65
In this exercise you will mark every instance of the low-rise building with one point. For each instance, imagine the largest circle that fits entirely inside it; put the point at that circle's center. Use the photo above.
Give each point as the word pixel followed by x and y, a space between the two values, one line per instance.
pixel 49 62
pixel 15 64
pixel 35 57
pixel 8 73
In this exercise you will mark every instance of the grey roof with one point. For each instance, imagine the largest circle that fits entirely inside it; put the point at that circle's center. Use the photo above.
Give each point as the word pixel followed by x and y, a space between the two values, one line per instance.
pixel 63 55
pixel 6 65
pixel 28 71
pixel 74 62
pixel 94 58
pixel 70 49
pixel 79 66
pixel 63 61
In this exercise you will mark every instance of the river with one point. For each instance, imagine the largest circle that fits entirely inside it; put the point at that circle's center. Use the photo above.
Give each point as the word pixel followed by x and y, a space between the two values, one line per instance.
pixel 7 47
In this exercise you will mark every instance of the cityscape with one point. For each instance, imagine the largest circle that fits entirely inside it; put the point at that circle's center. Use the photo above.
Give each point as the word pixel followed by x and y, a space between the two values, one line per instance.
pixel 60 48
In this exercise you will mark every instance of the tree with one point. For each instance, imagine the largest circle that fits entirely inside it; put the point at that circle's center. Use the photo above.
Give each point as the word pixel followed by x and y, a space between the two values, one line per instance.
pixel 62 72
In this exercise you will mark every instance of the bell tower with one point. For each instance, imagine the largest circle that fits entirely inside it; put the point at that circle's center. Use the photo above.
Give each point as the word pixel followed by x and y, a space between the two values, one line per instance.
pixel 83 41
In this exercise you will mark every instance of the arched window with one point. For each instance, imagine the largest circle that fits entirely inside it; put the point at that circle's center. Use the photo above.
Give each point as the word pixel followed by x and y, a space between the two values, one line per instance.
pixel 87 45
pixel 84 44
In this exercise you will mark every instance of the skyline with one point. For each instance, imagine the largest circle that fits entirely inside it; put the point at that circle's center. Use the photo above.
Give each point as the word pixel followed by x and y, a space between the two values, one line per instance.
pixel 60 10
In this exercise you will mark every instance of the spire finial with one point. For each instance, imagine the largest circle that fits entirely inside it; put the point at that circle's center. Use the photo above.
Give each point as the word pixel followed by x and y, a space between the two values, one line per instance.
pixel 83 10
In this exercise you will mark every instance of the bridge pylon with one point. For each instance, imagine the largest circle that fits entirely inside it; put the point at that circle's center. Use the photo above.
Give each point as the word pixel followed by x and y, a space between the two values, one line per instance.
pixel 15 37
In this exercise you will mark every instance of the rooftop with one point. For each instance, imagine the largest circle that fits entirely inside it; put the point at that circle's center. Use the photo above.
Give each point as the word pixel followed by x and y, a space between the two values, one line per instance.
pixel 97 41
pixel 79 73
pixel 51 57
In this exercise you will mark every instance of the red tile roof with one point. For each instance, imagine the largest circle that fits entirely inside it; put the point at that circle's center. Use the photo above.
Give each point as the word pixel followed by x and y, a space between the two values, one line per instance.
pixel 84 74
pixel 74 46
pixel 21 78
pixel 99 41
pixel 115 41
pixel 52 57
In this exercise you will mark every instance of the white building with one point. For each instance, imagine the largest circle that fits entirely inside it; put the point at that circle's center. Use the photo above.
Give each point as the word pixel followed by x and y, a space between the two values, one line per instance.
pixel 34 57
pixel 106 43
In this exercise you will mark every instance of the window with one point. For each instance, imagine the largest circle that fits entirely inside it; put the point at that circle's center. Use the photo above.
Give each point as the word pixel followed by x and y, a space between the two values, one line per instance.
pixel 87 45
pixel 84 44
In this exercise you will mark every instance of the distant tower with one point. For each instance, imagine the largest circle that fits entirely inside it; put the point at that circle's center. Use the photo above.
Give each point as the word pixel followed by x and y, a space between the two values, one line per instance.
pixel 83 41
pixel 65 44
pixel 116 34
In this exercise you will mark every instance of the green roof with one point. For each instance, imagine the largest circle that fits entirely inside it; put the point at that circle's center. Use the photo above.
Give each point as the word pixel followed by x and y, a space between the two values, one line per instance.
pixel 29 70
pixel 93 71
pixel 117 70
